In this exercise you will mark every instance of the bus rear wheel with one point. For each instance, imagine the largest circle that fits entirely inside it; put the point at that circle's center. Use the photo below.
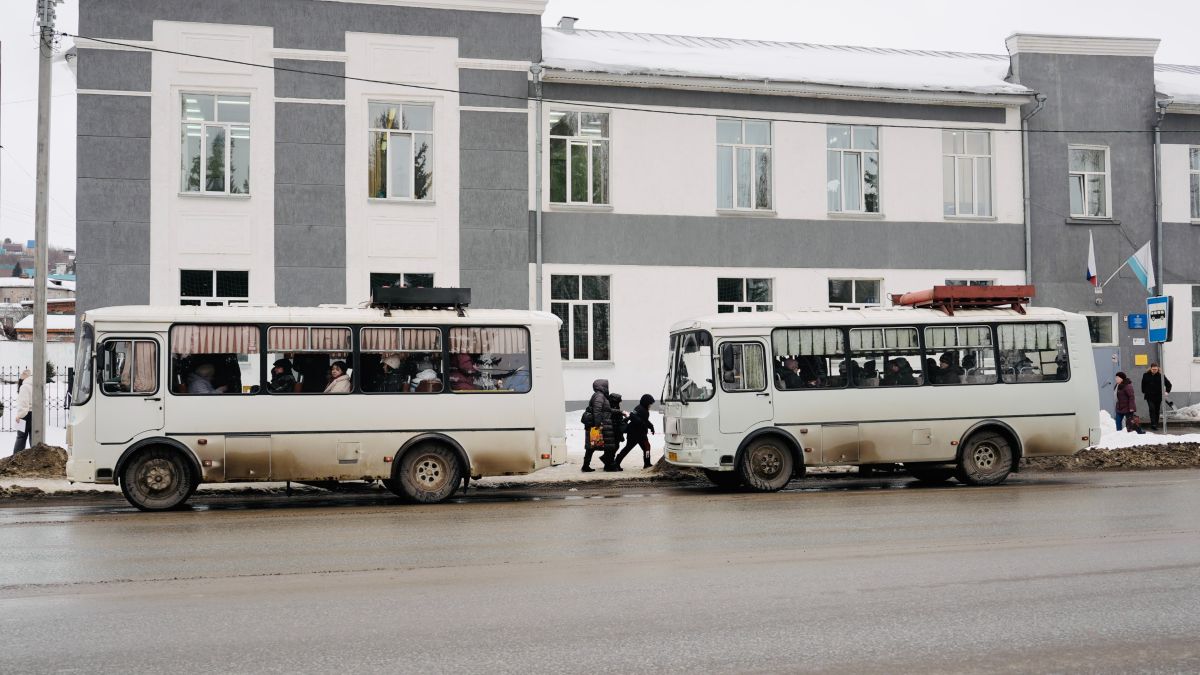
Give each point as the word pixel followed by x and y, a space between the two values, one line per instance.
pixel 428 474
pixel 985 460
pixel 158 479
pixel 766 465
pixel 726 480
pixel 930 475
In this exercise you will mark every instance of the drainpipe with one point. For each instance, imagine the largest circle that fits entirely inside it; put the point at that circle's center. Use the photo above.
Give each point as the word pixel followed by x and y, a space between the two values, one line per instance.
pixel 536 70
pixel 1160 106
pixel 1041 102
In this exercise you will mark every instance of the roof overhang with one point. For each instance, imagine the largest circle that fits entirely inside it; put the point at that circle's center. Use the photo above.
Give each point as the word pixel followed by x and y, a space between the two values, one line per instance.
pixel 505 6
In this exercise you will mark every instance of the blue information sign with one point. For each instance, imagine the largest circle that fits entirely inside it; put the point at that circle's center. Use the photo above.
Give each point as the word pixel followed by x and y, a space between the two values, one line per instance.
pixel 1137 321
pixel 1159 309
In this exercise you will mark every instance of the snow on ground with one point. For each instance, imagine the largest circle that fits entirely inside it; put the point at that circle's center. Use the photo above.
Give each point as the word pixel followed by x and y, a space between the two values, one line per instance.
pixel 1190 413
pixel 1111 439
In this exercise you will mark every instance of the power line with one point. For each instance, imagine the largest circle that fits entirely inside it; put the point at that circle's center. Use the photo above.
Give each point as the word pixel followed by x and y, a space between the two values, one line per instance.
pixel 578 104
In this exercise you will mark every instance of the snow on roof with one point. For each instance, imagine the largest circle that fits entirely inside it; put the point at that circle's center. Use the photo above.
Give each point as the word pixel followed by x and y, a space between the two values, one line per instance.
pixel 53 322
pixel 15 282
pixel 758 60
pixel 1179 82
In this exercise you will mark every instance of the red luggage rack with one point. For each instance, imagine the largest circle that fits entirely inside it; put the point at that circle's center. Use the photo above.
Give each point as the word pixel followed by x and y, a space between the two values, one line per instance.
pixel 950 298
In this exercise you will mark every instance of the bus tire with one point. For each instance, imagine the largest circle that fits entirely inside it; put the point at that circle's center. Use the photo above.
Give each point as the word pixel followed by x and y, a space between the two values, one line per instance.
pixel 986 459
pixel 930 475
pixel 766 465
pixel 158 479
pixel 726 480
pixel 429 473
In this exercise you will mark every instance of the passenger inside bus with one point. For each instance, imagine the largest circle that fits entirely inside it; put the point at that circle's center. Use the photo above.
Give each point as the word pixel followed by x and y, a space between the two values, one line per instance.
pixel 899 374
pixel 283 380
pixel 339 379
pixel 200 381
pixel 948 371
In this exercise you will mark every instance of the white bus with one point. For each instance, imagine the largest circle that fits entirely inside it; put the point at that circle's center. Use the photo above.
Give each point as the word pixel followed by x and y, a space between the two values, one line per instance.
pixel 167 398
pixel 754 398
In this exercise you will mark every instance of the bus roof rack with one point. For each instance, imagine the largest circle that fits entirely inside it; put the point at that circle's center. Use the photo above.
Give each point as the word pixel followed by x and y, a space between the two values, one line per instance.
pixel 950 298
pixel 399 297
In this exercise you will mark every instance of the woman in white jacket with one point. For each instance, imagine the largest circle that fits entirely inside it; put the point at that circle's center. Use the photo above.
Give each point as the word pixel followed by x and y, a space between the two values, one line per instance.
pixel 24 412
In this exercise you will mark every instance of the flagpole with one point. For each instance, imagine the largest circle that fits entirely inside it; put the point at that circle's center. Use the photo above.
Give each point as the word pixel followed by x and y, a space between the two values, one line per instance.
pixel 1110 278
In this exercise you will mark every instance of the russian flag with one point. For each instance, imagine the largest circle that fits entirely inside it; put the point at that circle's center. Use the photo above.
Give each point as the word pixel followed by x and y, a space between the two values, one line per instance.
pixel 1091 268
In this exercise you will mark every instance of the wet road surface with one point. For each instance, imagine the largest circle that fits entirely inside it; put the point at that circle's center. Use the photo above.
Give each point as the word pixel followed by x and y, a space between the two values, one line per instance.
pixel 1095 572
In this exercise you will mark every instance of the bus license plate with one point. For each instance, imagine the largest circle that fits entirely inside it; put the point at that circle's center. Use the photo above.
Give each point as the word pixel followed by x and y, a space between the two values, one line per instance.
pixel 672 456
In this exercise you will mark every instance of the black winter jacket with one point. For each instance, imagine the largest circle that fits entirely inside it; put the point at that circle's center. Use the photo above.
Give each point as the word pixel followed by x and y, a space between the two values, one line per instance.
pixel 639 424
pixel 602 412
pixel 1152 385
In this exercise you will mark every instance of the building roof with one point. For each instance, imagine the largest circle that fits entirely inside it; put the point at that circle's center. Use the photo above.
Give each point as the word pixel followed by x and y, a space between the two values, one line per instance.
pixel 621 53
pixel 1181 83
pixel 54 322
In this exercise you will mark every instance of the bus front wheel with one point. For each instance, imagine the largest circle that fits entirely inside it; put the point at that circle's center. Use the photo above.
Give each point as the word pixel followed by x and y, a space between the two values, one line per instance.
pixel 766 465
pixel 158 479
pixel 429 474
pixel 726 480
pixel 986 460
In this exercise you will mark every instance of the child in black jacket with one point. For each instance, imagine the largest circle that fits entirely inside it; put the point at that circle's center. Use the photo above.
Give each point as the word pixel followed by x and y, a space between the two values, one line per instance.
pixel 618 425
pixel 636 431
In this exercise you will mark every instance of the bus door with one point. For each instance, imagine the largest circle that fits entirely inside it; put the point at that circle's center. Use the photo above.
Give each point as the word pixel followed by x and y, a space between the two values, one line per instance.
pixel 746 390
pixel 130 384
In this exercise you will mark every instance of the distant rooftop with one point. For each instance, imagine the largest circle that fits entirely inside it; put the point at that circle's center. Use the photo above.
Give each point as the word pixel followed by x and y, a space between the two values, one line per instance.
pixel 621 53
pixel 1179 82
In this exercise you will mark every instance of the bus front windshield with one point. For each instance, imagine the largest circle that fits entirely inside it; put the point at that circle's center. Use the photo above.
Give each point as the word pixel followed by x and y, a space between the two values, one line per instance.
pixel 83 366
pixel 690 370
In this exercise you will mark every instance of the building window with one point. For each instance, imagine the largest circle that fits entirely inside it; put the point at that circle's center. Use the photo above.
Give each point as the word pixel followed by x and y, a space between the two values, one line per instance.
pixel 1194 175
pixel 1102 328
pixel 400 152
pixel 213 288
pixel 1196 322
pixel 854 293
pixel 970 282
pixel 744 295
pixel 215 129
pixel 743 164
pixel 1090 196
pixel 853 163
pixel 579 151
pixel 582 302
pixel 966 173
pixel 411 280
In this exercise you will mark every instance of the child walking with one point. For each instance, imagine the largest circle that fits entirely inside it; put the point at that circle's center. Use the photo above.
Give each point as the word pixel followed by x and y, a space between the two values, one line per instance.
pixel 618 434
pixel 636 431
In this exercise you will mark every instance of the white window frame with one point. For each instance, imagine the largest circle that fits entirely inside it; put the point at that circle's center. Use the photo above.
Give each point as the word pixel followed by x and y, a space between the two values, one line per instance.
pixel 411 133
pixel 754 173
pixel 1114 324
pixel 1071 174
pixel 227 127
pixel 855 304
pixel 1194 182
pixel 214 300
pixel 975 159
pixel 591 334
pixel 862 169
pixel 591 142
pixel 744 305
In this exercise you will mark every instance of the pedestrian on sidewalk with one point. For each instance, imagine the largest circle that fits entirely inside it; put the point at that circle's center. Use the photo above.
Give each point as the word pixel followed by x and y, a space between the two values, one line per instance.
pixel 24 413
pixel 597 415
pixel 1153 382
pixel 636 431
pixel 1126 399
pixel 609 458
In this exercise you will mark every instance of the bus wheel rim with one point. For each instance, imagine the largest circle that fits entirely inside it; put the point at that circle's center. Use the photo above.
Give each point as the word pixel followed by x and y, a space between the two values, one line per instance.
pixel 430 472
pixel 157 476
pixel 766 461
pixel 985 456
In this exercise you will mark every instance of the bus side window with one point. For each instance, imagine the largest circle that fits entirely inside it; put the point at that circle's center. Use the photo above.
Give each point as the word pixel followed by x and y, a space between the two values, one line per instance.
pixel 489 358
pixel 130 367
pixel 811 358
pixel 743 367
pixel 960 355
pixel 400 360
pixel 1033 352
pixel 311 352
pixel 214 359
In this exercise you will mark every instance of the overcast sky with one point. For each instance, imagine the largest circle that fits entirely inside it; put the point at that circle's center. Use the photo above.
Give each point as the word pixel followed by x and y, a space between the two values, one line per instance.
pixel 960 25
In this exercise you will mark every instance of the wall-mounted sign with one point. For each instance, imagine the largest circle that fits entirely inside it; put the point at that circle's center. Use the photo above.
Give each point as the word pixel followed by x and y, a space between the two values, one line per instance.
pixel 1139 342
pixel 1159 309
pixel 1136 321
pixel 1140 359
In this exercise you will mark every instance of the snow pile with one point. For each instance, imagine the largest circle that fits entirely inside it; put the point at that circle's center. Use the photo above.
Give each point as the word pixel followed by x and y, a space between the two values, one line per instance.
pixel 757 60
pixel 1192 412
pixel 1111 439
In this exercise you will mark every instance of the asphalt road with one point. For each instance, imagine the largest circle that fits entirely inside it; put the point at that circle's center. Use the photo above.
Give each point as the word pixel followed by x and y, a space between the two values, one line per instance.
pixel 1091 572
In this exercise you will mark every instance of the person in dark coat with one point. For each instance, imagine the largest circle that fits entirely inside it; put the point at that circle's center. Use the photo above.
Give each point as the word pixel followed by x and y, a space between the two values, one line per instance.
pixel 282 379
pixel 636 431
pixel 1153 382
pixel 600 411
pixel 618 434
pixel 1126 399
pixel 948 371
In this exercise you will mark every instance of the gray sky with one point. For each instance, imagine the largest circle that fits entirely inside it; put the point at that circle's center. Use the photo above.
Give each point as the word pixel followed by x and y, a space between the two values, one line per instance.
pixel 961 25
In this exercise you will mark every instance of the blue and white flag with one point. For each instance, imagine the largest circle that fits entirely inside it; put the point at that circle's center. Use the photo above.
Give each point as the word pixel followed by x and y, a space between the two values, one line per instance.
pixel 1143 266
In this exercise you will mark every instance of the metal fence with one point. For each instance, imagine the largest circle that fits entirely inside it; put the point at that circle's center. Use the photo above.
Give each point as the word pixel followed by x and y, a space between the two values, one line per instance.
pixel 57 400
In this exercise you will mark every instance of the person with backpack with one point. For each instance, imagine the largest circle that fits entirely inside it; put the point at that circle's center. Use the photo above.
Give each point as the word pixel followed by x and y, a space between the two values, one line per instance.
pixel 597 425
pixel 1153 384
pixel 636 431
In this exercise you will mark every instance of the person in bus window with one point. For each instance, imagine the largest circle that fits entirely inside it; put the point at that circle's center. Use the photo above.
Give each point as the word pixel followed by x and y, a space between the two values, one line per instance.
pixel 339 380
pixel 200 380
pixel 392 380
pixel 897 375
pixel 463 372
pixel 948 371
pixel 282 379
pixel 791 375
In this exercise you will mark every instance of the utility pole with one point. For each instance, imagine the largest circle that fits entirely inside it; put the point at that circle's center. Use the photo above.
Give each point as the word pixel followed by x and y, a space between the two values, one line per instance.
pixel 45 14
